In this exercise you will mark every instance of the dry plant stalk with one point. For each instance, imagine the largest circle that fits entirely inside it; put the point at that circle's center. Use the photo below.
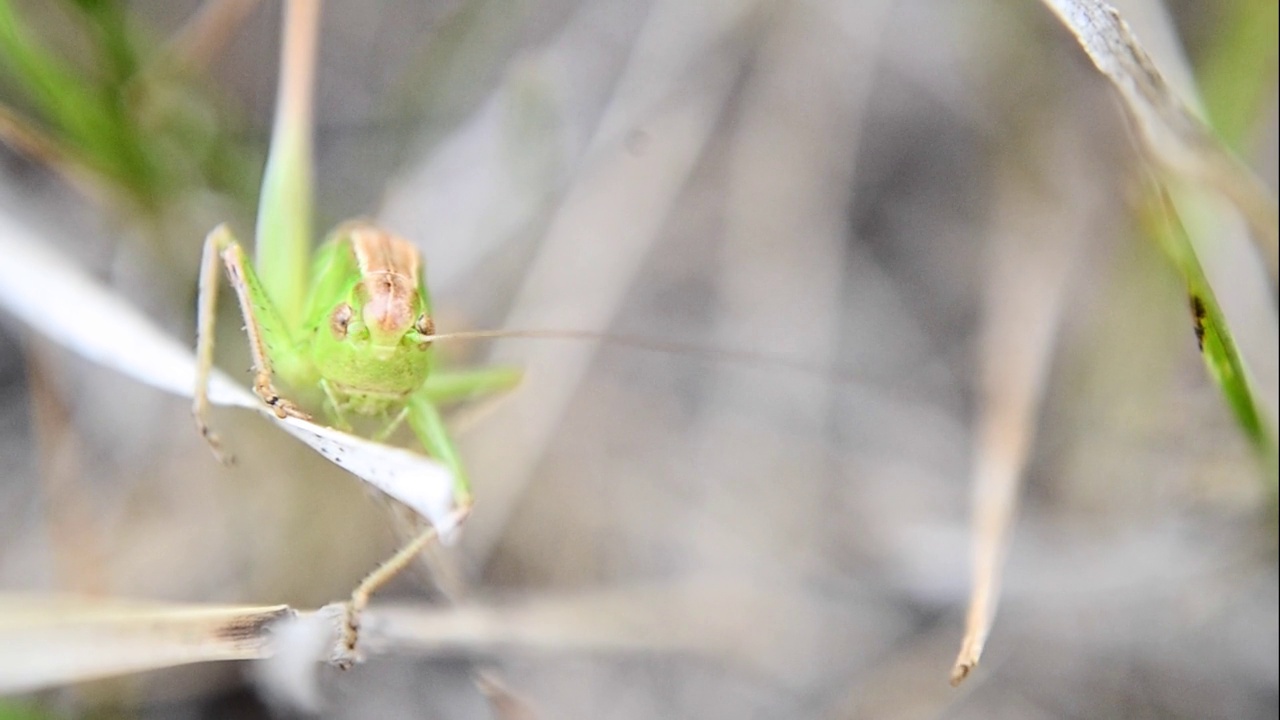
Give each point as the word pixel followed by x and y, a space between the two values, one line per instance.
pixel 1025 297
pixel 58 640
pixel 205 34
pixel 1016 352
pixel 1172 134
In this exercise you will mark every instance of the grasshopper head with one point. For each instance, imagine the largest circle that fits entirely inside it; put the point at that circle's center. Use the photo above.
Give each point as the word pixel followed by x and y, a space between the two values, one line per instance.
pixel 385 313
pixel 379 320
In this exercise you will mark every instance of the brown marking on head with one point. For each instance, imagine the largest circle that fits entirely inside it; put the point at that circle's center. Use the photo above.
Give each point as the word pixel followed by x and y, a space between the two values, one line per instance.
pixel 389 305
pixel 379 251
pixel 389 270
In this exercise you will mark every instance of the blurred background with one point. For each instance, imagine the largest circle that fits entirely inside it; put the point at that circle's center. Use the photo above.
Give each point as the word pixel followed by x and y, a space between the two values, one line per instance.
pixel 837 213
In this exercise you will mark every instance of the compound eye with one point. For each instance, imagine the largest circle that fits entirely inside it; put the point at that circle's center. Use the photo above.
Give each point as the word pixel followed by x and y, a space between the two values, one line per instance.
pixel 340 320
pixel 425 325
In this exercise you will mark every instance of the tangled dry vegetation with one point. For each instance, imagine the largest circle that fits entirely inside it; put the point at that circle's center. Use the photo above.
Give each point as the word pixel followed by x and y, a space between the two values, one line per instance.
pixel 902 255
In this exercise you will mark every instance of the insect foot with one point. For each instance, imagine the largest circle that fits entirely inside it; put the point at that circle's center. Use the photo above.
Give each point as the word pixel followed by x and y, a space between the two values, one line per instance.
pixel 214 442
pixel 283 407
pixel 347 655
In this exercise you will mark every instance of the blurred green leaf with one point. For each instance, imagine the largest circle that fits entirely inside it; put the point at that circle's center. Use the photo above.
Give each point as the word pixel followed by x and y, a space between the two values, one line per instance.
pixel 1238 73
pixel 21 711
pixel 140 125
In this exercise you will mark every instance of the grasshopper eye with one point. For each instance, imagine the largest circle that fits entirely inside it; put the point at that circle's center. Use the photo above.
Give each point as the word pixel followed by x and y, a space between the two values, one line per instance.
pixel 340 320
pixel 425 325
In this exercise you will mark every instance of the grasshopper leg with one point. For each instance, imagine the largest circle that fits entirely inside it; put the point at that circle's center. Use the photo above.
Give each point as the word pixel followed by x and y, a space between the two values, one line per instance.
pixel 373 582
pixel 392 425
pixel 429 426
pixel 263 325
pixel 206 316
pixel 268 335
pixel 444 386
pixel 335 407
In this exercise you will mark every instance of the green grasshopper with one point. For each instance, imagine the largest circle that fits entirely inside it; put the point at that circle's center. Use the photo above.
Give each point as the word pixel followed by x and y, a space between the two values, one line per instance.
pixel 355 336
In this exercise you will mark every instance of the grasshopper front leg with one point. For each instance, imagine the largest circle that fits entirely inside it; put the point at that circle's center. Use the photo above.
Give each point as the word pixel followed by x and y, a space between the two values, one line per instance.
pixel 270 340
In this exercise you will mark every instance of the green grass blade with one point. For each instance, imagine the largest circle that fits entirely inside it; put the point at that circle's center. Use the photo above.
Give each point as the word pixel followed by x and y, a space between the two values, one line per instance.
pixel 1237 76
pixel 50 85
pixel 126 121
pixel 283 236
pixel 1217 346
pixel 19 710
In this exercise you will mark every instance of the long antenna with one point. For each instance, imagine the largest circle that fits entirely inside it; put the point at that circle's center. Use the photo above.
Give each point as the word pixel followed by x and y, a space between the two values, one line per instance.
pixel 726 355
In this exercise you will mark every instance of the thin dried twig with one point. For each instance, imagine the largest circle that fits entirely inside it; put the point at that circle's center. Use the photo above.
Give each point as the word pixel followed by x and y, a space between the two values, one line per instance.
pixel 33 143
pixel 1034 252
pixel 74 530
pixel 56 640
pixel 203 36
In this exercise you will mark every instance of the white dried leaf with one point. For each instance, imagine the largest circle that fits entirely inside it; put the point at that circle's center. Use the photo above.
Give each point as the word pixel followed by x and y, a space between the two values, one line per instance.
pixel 417 481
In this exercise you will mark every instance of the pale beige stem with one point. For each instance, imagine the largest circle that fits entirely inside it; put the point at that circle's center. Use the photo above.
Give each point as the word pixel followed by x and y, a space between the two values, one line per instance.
pixel 203 36
pixel 1035 246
